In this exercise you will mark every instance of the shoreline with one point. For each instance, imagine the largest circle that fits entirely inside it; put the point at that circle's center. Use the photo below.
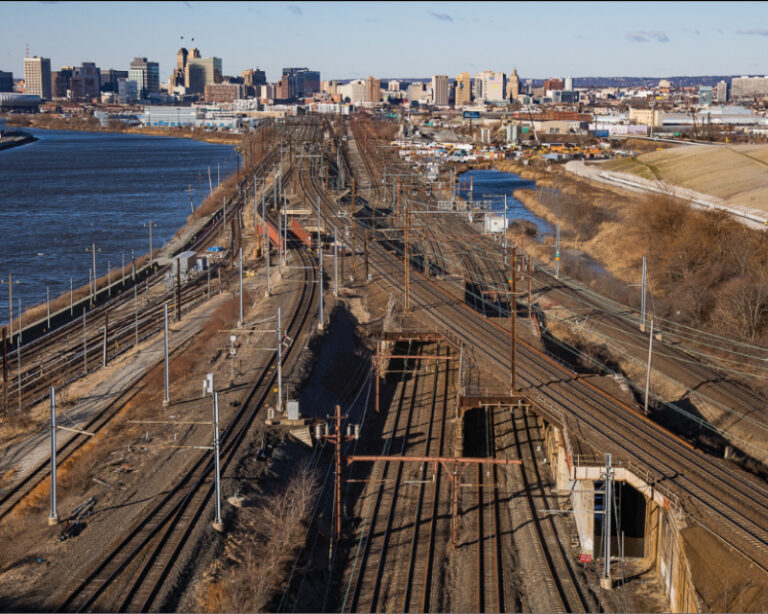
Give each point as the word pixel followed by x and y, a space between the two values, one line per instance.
pixel 216 138
pixel 24 139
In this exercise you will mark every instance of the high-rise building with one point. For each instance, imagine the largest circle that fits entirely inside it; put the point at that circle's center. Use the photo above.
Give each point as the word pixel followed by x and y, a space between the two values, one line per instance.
pixel 490 86
pixel 568 84
pixel 440 90
pixel 37 76
pixel 223 92
pixel 722 92
pixel 85 82
pixel 146 75
pixel 127 91
pixel 393 86
pixel 109 79
pixel 283 89
pixel 415 91
pixel 745 87
pixel 705 94
pixel 477 86
pixel 553 84
pixel 463 90
pixel 513 85
pixel 304 82
pixel 61 80
pixel 201 72
pixel 6 81
pixel 372 90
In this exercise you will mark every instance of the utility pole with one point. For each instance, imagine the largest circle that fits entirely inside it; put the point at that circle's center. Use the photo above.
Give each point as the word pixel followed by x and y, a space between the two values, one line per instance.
pixel 335 262
pixel 10 283
pixel 5 372
pixel 648 371
pixel 279 365
pixel 513 318
pixel 337 438
pixel 642 297
pixel 53 518
pixel 48 306
pixel 167 399
pixel 407 258
pixel 606 582
pixel 240 321
pixel 151 255
pixel 320 278
pixel 557 252
pixel 93 251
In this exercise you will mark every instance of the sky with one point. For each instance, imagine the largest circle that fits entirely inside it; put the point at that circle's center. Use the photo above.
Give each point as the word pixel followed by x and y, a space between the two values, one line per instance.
pixel 346 40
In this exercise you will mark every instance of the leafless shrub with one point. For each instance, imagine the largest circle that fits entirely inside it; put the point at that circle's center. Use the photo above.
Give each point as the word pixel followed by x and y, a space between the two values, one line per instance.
pixel 272 532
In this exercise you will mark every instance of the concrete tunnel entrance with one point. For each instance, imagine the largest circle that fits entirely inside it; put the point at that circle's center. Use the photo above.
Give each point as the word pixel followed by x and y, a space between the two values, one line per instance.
pixel 628 522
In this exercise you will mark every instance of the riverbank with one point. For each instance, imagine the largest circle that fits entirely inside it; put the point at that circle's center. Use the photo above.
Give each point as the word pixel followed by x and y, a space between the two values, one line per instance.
pixel 46 122
pixel 16 139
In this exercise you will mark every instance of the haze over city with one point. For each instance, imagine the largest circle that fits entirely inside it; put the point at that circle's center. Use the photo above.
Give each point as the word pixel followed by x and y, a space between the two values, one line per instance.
pixel 345 40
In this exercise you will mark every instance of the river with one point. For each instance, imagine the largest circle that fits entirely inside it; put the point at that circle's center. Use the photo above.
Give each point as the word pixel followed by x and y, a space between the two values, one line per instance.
pixel 69 190
pixel 492 185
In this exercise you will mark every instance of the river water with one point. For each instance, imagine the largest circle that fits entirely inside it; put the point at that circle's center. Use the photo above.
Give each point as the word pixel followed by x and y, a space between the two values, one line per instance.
pixel 492 185
pixel 69 190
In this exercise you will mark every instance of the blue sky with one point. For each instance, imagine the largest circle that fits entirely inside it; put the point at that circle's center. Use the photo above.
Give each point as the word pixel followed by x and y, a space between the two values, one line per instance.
pixel 399 39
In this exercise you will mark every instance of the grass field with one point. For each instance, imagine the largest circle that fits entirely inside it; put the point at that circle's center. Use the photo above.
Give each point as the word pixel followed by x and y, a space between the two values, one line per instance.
pixel 736 173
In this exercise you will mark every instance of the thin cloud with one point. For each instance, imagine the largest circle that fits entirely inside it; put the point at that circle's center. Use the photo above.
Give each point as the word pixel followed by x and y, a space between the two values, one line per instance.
pixel 441 16
pixel 188 4
pixel 642 36
pixel 758 32
pixel 296 10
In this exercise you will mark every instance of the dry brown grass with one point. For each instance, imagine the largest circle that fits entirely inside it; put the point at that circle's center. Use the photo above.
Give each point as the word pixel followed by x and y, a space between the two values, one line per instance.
pixel 264 547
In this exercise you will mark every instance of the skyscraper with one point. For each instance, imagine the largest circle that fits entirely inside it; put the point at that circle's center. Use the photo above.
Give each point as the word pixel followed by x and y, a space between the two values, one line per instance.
pixel 6 81
pixel 372 90
pixel 303 81
pixel 440 90
pixel 463 90
pixel 37 76
pixel 201 72
pixel 146 75
pixel 513 85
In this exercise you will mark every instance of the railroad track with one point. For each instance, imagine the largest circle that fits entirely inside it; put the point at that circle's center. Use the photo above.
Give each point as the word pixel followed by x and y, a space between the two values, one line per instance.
pixel 131 576
pixel 732 505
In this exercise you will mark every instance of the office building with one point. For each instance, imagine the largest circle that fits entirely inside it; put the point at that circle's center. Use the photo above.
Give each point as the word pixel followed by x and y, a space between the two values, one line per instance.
pixel 303 82
pixel 372 90
pixel 109 78
pixel 749 87
pixel 440 90
pixel 393 86
pixel 416 91
pixel 85 83
pixel 6 81
pixel 721 95
pixel 705 94
pixel 223 92
pixel 553 84
pixel 492 86
pixel 201 72
pixel 568 84
pixel 513 85
pixel 37 77
pixel 146 75
pixel 463 90
pixel 127 91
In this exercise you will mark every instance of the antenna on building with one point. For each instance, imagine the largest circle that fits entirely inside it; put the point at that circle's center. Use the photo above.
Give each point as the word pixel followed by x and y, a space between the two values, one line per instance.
pixel 27 52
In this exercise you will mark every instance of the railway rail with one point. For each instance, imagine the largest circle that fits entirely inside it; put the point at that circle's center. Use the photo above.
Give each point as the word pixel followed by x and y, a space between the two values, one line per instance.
pixel 132 575
pixel 711 493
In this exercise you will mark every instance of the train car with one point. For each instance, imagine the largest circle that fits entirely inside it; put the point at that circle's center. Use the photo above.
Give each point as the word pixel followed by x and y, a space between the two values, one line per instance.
pixel 274 236
pixel 303 235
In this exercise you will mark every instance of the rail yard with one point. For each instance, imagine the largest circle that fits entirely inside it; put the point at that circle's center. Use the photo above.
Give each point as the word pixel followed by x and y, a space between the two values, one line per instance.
pixel 463 458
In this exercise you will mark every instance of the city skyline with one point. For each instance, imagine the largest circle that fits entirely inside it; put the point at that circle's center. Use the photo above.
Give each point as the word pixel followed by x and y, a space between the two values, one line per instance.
pixel 416 40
